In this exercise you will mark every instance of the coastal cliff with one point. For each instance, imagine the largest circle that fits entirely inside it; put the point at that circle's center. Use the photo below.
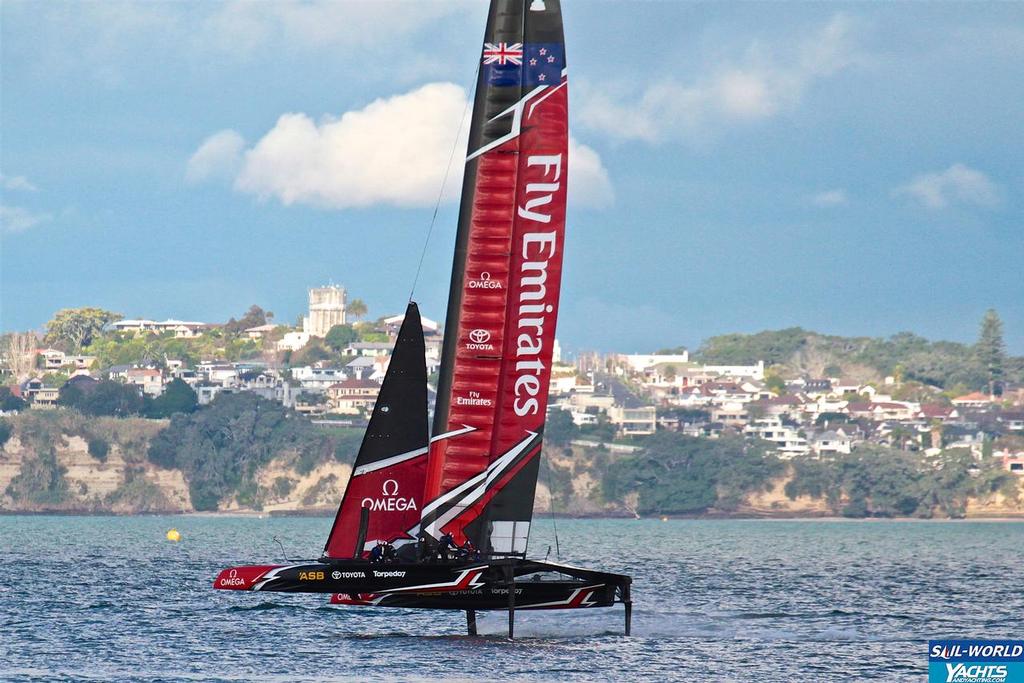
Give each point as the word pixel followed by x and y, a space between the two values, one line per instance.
pixel 63 462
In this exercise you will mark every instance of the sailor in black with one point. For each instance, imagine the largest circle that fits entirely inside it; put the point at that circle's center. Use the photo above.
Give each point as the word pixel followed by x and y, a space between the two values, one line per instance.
pixel 377 554
pixel 447 543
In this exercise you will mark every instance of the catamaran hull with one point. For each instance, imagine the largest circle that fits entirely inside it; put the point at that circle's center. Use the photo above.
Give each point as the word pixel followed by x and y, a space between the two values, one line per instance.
pixel 459 586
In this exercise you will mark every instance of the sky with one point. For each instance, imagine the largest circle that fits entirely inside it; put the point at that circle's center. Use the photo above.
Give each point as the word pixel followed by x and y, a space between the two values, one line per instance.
pixel 853 169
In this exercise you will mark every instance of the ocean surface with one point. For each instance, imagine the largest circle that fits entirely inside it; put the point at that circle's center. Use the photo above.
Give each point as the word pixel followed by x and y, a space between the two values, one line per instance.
pixel 109 599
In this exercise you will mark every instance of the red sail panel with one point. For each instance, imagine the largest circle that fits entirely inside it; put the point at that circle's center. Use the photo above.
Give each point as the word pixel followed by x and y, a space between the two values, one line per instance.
pixel 505 285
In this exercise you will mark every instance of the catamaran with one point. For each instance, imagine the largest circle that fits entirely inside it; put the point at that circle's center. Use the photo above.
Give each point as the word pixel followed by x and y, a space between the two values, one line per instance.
pixel 457 505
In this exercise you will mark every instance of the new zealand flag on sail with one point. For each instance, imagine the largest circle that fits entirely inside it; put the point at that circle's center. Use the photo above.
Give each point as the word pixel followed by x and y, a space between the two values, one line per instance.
pixel 529 64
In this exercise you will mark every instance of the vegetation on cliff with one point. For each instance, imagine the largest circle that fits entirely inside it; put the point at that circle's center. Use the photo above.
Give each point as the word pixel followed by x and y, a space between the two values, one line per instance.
pixel 677 474
pixel 874 481
pixel 221 448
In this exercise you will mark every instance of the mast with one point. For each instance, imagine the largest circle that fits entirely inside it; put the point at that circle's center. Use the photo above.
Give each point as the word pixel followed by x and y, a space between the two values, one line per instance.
pixel 385 492
pixel 506 275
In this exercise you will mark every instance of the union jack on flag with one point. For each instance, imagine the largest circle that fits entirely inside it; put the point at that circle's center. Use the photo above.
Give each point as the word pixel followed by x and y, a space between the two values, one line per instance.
pixel 503 53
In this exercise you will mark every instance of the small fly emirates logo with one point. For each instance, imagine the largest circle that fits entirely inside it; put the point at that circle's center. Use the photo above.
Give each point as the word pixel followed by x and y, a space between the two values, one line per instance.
pixel 976 673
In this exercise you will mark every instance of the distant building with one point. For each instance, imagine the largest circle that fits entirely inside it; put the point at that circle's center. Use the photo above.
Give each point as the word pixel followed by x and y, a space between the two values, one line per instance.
pixel 326 309
pixel 183 329
pixel 638 362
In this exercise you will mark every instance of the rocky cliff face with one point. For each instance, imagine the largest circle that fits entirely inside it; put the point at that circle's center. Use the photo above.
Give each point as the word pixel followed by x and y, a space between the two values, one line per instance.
pixel 64 462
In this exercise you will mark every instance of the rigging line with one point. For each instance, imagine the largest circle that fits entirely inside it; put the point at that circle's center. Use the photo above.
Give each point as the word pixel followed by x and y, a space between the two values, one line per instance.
pixel 440 192
pixel 551 512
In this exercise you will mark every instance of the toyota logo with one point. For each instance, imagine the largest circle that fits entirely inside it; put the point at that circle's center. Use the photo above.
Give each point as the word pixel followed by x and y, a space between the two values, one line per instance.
pixel 479 336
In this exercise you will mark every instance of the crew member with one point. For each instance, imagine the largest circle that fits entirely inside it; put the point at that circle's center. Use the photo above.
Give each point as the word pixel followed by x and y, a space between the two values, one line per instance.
pixel 377 553
pixel 446 544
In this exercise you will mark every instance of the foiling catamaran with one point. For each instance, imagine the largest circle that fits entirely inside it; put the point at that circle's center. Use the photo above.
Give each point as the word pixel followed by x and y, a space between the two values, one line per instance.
pixel 472 483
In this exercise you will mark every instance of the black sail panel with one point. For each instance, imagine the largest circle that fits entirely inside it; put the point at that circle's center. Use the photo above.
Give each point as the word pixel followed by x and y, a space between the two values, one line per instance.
pixel 388 473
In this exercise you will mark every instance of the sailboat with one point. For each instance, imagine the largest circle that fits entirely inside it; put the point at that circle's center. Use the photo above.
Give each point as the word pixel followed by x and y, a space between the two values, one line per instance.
pixel 456 502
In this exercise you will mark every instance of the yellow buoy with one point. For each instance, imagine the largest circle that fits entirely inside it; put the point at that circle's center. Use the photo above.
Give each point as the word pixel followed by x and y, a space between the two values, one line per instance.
pixel 173 535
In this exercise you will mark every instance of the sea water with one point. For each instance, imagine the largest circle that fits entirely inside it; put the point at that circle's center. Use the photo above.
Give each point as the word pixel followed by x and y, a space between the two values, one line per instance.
pixel 110 599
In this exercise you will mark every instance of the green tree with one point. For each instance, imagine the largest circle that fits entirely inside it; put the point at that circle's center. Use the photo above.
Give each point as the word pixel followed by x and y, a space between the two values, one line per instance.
pixel 775 384
pixel 340 336
pixel 73 328
pixel 356 308
pixel 11 403
pixel 559 429
pixel 178 397
pixel 107 398
pixel 990 349
pixel 254 317
pixel 98 448
pixel 5 432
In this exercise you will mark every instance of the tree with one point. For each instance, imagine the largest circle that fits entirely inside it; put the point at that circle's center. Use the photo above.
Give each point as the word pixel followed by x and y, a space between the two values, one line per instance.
pixel 356 308
pixel 20 349
pixel 990 350
pixel 775 384
pixel 340 336
pixel 178 397
pixel 560 429
pixel 254 317
pixel 9 402
pixel 106 398
pixel 73 328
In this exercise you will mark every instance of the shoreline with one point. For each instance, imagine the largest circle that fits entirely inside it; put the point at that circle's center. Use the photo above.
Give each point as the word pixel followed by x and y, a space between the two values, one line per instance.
pixel 327 514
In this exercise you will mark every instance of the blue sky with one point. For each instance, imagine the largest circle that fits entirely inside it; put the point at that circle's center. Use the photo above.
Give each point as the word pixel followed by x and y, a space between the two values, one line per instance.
pixel 853 169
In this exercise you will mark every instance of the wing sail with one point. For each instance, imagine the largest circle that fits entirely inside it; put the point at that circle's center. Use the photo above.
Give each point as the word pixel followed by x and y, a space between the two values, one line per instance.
pixel 506 276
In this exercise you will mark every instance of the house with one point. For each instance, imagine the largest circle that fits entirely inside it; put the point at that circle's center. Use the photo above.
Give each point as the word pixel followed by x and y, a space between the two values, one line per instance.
pixel 206 393
pixel 787 439
pixel 1012 421
pixel 1014 465
pixel 937 411
pixel 640 420
pixel 38 394
pixel 831 442
pixel 883 410
pixel 292 341
pixel 975 399
pixel 260 331
pixel 53 359
pixel 150 380
pixel 318 378
pixel 83 383
pixel 182 329
pixel 638 362
pixel 371 349
pixel 353 395
pixel 393 323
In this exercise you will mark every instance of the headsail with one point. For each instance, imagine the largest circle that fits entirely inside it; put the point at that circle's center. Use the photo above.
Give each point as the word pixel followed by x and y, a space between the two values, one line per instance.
pixel 388 474
pixel 503 300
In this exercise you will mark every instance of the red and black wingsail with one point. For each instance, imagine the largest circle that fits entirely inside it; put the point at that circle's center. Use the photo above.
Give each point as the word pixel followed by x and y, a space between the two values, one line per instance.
pixel 389 471
pixel 503 303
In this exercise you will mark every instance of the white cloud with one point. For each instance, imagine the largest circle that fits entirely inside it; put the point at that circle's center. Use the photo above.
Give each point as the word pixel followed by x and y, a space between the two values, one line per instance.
pixel 393 151
pixel 220 156
pixel 15 219
pixel 16 182
pixel 589 184
pixel 830 198
pixel 754 88
pixel 958 183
